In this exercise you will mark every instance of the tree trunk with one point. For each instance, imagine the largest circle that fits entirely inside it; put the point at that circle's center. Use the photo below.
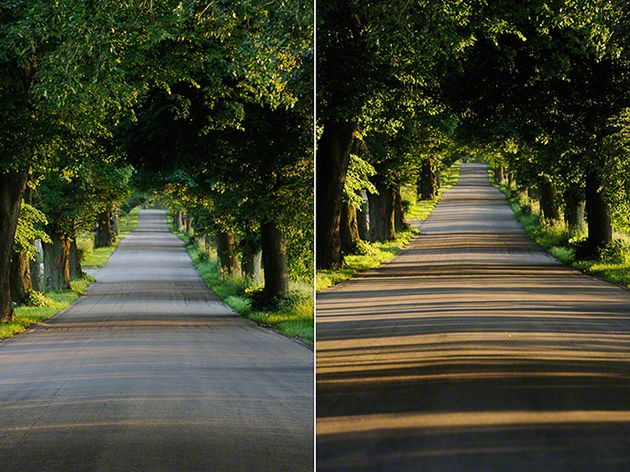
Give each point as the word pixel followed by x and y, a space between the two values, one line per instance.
pixel 227 253
pixel 249 250
pixel 548 200
pixel 21 284
pixel 573 210
pixel 400 223
pixel 427 181
pixel 115 217
pixel 510 180
pixel 36 270
pixel 104 235
pixel 75 261
pixel 12 187
pixel 275 261
pixel 332 164
pixel 382 214
pixel 57 263
pixel 349 229
pixel 362 222
pixel 498 173
pixel 597 214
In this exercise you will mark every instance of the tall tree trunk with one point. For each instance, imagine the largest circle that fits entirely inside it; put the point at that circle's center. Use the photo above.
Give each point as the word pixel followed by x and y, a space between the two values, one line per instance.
pixel 573 209
pixel 510 179
pixel 75 261
pixel 21 284
pixel 400 223
pixel 12 187
pixel 104 235
pixel 382 214
pixel 249 251
pixel 57 262
pixel 36 270
pixel 362 222
pixel 115 218
pixel 332 164
pixel 597 214
pixel 349 229
pixel 427 188
pixel 226 251
pixel 275 261
pixel 548 200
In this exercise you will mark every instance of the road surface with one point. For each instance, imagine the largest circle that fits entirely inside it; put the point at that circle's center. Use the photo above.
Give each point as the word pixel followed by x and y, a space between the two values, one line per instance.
pixel 149 371
pixel 473 350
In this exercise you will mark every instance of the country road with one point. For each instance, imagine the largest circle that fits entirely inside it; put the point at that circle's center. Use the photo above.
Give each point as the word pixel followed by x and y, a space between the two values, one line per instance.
pixel 473 350
pixel 150 371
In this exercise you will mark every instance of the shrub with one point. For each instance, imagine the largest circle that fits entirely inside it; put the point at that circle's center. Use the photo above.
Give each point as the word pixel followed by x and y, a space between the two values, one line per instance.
pixel 38 299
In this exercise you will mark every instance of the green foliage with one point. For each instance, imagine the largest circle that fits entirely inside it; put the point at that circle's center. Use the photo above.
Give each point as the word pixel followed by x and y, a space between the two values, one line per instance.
pixel 38 299
pixel 29 229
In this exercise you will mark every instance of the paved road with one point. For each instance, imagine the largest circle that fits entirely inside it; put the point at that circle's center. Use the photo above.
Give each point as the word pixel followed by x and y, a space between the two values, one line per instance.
pixel 151 372
pixel 473 351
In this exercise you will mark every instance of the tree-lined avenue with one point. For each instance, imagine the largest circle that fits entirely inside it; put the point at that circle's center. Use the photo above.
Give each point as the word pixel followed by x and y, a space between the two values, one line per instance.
pixel 151 371
pixel 473 350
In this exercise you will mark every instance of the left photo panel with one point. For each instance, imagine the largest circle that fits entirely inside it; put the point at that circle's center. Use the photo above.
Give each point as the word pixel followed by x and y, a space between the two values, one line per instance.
pixel 156 236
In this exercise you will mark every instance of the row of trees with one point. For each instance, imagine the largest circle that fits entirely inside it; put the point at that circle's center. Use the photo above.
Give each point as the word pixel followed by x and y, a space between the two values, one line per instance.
pixel 540 87
pixel 212 98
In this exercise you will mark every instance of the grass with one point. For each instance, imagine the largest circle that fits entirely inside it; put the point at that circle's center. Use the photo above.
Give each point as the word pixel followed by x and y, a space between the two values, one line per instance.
pixel 561 244
pixel 374 254
pixel 294 316
pixel 25 316
pixel 94 258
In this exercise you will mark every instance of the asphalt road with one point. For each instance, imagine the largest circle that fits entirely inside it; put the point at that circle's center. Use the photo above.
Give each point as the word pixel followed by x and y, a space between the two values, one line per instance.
pixel 473 350
pixel 149 371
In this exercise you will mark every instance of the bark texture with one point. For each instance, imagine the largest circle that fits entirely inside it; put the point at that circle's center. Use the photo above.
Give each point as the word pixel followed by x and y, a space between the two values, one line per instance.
pixel 549 204
pixel 382 226
pixel 400 223
pixel 598 214
pixel 57 262
pixel 349 229
pixel 427 187
pixel 226 250
pixel 104 235
pixel 12 187
pixel 332 164
pixel 275 261
pixel 21 283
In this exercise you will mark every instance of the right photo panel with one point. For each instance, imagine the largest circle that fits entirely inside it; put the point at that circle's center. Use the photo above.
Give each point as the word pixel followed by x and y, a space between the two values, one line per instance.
pixel 473 235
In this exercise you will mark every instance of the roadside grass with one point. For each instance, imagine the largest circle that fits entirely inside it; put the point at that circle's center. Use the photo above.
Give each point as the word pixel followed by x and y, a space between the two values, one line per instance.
pixel 374 254
pixel 561 244
pixel 57 301
pixel 294 317
pixel 94 258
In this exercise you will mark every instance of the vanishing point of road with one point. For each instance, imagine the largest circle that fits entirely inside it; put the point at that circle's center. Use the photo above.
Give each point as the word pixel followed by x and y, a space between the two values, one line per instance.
pixel 473 350
pixel 150 371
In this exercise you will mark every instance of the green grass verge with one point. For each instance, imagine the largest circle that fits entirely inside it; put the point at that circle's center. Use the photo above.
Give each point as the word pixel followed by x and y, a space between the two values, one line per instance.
pixel 294 317
pixel 94 258
pixel 58 301
pixel 374 254
pixel 558 242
